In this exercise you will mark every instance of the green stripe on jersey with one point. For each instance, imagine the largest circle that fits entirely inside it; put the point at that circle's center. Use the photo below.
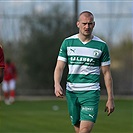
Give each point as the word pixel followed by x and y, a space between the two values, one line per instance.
pixel 81 78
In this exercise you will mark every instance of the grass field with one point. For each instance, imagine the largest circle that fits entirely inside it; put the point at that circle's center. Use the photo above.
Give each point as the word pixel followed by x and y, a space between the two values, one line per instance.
pixel 51 116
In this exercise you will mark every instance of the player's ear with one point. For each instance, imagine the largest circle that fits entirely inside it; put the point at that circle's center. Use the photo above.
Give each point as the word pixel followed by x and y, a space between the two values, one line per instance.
pixel 78 24
pixel 93 24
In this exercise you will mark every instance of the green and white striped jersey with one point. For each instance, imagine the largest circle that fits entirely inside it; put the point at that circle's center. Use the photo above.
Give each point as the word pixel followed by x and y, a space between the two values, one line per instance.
pixel 84 61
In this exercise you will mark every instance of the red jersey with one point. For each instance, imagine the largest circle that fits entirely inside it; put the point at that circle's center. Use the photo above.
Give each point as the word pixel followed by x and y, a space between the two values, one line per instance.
pixel 2 62
pixel 9 72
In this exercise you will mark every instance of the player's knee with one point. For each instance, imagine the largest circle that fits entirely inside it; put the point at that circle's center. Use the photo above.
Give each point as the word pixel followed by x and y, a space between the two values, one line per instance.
pixel 85 130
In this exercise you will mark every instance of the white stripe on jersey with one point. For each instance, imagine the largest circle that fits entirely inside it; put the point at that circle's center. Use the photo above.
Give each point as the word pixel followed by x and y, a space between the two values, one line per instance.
pixel 83 51
pixel 62 59
pixel 82 86
pixel 82 69
pixel 105 63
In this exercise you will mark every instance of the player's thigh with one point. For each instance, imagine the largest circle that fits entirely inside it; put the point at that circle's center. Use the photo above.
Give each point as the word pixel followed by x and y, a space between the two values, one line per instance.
pixel 5 86
pixel 73 107
pixel 12 84
pixel 89 105
pixel 86 126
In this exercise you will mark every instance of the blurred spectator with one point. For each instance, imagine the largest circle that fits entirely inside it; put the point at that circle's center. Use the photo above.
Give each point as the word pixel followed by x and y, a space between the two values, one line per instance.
pixel 2 64
pixel 9 82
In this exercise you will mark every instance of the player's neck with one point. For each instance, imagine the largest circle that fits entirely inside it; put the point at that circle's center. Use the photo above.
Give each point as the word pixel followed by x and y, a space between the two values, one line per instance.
pixel 85 38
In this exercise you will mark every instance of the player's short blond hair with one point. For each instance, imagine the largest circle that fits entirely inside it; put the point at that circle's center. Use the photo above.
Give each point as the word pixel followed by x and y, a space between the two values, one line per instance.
pixel 86 13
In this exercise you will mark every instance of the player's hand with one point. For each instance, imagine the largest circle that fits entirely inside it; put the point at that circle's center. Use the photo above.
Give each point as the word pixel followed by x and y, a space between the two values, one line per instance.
pixel 59 91
pixel 110 106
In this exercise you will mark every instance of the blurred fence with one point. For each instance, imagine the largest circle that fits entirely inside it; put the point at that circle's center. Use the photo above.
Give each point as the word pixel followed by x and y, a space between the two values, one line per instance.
pixel 10 22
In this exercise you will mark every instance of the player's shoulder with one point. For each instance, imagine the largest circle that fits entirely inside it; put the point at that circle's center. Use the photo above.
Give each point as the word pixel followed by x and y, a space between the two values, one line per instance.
pixel 95 38
pixel 72 37
pixel 69 40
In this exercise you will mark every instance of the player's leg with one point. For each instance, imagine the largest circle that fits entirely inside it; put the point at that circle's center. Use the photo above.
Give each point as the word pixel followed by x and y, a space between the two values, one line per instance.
pixel 86 126
pixel 89 101
pixel 12 86
pixel 6 92
pixel 74 109
pixel 76 128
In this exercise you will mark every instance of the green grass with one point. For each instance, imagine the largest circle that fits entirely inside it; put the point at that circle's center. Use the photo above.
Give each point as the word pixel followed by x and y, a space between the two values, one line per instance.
pixel 39 117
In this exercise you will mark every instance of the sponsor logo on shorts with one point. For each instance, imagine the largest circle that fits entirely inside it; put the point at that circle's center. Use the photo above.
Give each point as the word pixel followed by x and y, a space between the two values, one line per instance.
pixel 87 108
pixel 92 116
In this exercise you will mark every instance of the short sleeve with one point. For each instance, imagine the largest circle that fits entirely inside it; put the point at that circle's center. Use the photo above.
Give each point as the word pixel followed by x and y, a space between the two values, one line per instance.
pixel 105 57
pixel 63 52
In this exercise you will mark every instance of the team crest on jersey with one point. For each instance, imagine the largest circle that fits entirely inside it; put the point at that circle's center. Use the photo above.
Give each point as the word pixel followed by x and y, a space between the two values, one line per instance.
pixel 96 53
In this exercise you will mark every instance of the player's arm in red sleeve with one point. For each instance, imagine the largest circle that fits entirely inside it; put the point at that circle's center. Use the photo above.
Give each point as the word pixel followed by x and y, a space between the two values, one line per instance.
pixel 2 64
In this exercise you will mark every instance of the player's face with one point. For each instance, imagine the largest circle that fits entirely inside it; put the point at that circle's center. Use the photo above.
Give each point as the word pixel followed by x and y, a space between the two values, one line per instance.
pixel 86 25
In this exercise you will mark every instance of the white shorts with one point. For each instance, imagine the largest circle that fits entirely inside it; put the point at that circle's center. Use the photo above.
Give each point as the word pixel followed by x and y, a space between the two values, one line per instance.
pixel 10 85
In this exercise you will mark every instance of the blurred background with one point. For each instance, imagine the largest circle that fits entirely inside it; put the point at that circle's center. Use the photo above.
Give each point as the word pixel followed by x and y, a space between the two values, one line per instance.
pixel 32 32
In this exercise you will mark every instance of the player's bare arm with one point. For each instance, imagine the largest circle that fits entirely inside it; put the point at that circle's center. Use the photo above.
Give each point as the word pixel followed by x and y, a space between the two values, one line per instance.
pixel 109 86
pixel 57 78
